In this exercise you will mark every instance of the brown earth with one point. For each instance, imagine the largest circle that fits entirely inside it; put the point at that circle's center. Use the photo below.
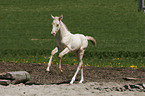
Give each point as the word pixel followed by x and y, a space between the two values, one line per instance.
pixel 91 74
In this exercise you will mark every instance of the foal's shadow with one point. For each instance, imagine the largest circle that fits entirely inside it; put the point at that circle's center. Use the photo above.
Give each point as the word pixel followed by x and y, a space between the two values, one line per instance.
pixel 33 84
pixel 60 83
pixel 65 82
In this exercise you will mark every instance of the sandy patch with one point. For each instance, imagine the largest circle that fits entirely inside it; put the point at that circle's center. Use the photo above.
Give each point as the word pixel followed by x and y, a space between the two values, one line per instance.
pixel 86 89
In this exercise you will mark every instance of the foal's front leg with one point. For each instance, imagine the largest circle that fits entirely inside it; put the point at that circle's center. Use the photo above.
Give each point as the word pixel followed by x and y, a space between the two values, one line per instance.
pixel 52 53
pixel 65 51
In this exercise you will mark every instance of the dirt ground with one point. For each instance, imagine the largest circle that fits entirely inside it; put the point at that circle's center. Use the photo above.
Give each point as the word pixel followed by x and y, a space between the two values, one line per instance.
pixel 52 80
pixel 40 76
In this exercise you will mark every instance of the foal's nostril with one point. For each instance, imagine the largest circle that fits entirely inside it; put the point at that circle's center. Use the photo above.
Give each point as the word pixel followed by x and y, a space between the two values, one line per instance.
pixel 53 34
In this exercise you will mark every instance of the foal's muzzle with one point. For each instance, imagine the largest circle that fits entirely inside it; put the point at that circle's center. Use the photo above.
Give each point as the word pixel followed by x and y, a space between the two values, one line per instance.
pixel 53 34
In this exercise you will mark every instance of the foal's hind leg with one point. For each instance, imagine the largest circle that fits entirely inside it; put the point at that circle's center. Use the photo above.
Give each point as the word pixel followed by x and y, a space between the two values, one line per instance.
pixel 52 53
pixel 79 56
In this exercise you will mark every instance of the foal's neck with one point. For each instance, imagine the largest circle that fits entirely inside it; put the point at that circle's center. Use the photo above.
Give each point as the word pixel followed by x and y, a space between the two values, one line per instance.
pixel 63 30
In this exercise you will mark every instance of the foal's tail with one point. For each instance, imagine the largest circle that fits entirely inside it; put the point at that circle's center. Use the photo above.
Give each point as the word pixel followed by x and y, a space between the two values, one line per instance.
pixel 91 39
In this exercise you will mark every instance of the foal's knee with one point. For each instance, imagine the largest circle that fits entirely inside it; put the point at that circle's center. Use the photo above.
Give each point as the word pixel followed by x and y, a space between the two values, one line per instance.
pixel 60 55
pixel 53 52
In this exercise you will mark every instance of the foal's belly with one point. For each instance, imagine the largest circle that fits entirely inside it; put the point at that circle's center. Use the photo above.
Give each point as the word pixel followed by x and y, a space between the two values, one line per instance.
pixel 76 42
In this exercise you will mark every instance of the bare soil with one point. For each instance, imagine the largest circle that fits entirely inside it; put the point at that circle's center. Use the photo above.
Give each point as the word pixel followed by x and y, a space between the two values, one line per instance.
pixel 39 76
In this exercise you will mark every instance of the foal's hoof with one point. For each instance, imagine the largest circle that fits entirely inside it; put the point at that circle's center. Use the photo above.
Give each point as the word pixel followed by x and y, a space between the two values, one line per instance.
pixel 81 82
pixel 47 70
pixel 61 71
pixel 71 83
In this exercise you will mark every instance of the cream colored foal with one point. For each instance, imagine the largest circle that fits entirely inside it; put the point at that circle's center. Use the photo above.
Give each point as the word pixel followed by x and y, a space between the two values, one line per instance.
pixel 68 42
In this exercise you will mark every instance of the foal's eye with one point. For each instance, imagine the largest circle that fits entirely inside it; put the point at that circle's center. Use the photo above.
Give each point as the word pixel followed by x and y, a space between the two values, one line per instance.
pixel 57 25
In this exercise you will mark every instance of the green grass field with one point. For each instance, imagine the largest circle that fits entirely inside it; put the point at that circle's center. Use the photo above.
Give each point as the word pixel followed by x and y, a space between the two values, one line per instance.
pixel 117 26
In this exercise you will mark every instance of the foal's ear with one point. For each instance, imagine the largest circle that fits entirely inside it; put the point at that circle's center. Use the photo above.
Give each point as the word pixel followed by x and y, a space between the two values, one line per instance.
pixel 61 17
pixel 52 16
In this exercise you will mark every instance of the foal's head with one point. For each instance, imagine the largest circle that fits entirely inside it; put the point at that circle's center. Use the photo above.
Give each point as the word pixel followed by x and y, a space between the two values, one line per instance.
pixel 56 24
